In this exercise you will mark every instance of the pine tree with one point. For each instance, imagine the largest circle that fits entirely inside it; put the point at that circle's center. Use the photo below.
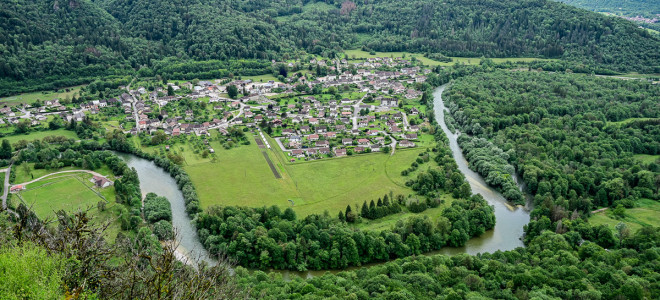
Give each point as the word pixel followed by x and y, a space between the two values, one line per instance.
pixel 372 210
pixel 379 203
pixel 365 210
pixel 386 201
pixel 341 216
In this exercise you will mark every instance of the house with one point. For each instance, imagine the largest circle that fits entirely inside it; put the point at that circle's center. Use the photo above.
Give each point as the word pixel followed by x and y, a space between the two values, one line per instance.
pixel 331 135
pixel 414 111
pixel 389 102
pixel 411 136
pixel 347 142
pixel 322 144
pixel 340 152
pixel 324 150
pixel 359 149
pixel 297 153
pixel 414 128
pixel 363 142
pixel 374 148
pixel 313 137
pixel 406 144
pixel 314 121
pixel 17 188
pixel 100 181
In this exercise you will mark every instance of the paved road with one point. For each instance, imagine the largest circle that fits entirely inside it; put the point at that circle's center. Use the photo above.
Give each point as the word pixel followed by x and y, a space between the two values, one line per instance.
pixel 5 190
pixel 279 143
pixel 60 172
pixel 356 110
pixel 393 144
pixel 405 121
pixel 135 112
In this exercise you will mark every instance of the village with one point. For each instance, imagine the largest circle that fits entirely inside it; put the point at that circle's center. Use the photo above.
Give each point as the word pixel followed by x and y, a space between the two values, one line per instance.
pixel 359 107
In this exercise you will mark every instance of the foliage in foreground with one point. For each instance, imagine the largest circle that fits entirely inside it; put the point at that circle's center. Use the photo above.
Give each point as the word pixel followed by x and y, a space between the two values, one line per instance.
pixel 70 257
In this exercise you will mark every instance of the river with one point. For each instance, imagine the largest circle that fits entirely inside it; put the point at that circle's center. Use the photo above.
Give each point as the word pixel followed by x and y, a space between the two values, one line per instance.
pixel 505 236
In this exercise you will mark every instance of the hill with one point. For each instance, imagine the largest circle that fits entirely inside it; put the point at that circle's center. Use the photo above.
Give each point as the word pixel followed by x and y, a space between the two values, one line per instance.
pixel 52 43
pixel 646 13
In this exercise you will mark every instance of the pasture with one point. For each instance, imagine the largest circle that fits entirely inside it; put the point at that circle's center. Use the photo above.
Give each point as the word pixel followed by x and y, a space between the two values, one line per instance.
pixel 241 176
pixel 359 54
pixel 28 98
pixel 645 213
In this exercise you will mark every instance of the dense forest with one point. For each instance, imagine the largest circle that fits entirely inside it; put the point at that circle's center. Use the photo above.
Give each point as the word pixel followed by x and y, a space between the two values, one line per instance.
pixel 572 138
pixel 45 44
pixel 551 267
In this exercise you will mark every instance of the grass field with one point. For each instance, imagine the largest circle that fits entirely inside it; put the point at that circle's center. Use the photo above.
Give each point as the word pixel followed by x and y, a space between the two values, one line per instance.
pixel 359 54
pixel 32 97
pixel 260 78
pixel 40 135
pixel 65 192
pixel 629 120
pixel 646 213
pixel 241 176
pixel 646 158
pixel 70 193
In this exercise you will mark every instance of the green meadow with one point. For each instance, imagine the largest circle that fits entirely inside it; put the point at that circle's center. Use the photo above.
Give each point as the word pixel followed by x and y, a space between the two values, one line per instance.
pixel 360 54
pixel 645 213
pixel 241 176
pixel 28 98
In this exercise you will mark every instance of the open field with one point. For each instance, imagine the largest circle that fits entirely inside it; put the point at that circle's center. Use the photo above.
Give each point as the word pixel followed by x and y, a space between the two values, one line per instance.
pixel 644 214
pixel 260 78
pixel 65 192
pixel 359 54
pixel 23 176
pixel 40 135
pixel 630 120
pixel 34 96
pixel 241 176
pixel 646 158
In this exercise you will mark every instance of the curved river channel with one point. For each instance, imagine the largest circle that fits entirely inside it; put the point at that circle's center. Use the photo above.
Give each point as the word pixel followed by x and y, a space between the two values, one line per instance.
pixel 505 236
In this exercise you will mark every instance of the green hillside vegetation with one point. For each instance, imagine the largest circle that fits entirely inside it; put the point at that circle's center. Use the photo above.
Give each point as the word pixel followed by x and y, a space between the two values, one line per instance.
pixel 49 44
pixel 571 138
pixel 648 9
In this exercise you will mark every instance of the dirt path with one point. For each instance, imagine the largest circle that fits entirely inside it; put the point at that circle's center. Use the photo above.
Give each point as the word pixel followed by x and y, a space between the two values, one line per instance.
pixel 51 174
pixel 599 210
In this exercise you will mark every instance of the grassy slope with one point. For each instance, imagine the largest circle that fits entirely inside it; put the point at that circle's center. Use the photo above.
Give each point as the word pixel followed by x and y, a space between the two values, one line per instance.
pixel 465 60
pixel 43 95
pixel 40 135
pixel 645 214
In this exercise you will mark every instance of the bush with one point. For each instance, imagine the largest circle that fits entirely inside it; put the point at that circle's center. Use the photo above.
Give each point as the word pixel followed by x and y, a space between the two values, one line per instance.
pixel 157 208
pixel 164 230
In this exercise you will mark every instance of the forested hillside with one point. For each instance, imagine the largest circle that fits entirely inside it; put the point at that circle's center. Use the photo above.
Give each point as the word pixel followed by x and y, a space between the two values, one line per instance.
pixel 54 43
pixel 641 11
pixel 572 138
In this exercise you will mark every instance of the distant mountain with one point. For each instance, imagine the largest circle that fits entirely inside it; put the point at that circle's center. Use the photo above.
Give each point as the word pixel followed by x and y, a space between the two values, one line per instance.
pixel 646 13
pixel 55 42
